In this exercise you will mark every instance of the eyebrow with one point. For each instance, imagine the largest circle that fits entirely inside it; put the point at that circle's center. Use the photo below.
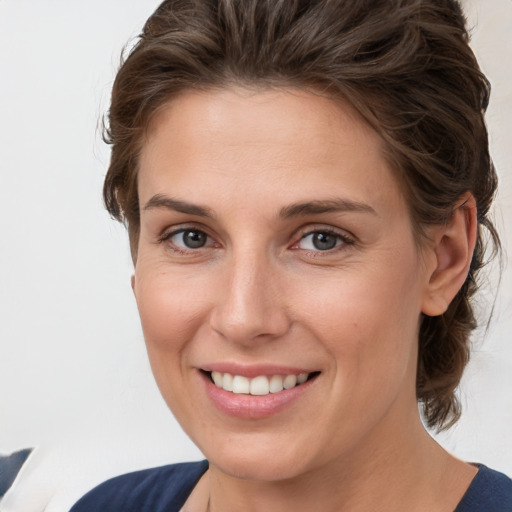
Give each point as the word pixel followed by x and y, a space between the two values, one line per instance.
pixel 324 206
pixel 168 203
pixel 292 210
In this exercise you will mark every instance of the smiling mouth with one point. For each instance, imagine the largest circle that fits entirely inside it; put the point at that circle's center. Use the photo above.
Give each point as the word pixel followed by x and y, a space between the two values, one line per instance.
pixel 258 386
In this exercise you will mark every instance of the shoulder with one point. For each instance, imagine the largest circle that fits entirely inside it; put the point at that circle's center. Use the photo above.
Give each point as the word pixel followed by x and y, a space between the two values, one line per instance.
pixel 159 489
pixel 490 490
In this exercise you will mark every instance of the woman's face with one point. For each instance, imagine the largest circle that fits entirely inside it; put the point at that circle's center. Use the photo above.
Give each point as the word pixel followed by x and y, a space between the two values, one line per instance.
pixel 275 242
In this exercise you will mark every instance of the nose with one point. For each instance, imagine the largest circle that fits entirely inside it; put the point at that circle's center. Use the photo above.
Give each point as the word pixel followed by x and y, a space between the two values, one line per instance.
pixel 249 304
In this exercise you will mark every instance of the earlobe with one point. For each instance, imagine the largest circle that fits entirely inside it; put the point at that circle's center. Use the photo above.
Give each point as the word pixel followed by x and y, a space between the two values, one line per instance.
pixel 453 246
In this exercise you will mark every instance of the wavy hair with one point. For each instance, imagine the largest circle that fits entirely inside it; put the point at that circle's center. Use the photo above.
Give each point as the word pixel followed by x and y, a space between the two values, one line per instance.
pixel 405 65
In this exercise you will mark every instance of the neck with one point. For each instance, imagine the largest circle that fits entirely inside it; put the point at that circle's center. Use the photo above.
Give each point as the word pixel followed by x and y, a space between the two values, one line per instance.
pixel 412 473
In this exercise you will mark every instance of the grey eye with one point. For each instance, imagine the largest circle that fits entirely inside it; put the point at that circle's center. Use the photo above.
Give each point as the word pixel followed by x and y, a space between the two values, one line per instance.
pixel 320 241
pixel 190 239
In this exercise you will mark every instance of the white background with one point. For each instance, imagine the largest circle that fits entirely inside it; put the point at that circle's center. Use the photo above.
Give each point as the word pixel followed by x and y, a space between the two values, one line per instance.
pixel 74 377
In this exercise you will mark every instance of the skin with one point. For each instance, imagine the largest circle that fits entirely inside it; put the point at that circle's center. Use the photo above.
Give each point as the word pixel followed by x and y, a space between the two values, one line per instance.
pixel 260 292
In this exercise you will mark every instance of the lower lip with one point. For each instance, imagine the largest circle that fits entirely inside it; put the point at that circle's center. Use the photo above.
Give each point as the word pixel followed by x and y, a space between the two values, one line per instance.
pixel 253 406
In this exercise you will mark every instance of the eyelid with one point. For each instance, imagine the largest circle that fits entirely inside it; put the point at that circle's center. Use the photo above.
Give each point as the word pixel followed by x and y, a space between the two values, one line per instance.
pixel 171 230
pixel 167 234
pixel 344 236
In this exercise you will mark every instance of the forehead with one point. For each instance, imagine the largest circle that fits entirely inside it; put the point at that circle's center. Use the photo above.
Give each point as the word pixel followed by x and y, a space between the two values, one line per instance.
pixel 294 141
pixel 246 116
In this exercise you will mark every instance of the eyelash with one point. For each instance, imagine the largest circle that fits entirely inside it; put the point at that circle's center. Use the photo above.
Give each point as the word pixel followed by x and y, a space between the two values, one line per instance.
pixel 342 240
pixel 167 236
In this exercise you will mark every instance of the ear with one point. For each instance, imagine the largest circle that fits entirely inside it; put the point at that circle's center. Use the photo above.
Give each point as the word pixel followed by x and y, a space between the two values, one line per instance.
pixel 452 247
pixel 132 282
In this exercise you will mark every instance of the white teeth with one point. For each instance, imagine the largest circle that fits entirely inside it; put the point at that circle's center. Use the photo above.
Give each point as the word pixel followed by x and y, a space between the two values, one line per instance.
pixel 241 385
pixel 217 378
pixel 258 386
pixel 289 381
pixel 227 382
pixel 276 384
pixel 303 377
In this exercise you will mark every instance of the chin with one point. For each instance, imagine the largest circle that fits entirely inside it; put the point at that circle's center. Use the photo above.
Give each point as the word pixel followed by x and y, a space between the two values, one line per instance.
pixel 261 469
pixel 258 459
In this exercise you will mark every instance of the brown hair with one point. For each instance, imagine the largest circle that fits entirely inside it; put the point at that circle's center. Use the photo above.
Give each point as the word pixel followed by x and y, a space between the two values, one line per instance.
pixel 405 65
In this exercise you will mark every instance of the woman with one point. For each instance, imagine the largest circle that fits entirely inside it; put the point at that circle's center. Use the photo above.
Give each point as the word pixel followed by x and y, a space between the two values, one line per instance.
pixel 306 187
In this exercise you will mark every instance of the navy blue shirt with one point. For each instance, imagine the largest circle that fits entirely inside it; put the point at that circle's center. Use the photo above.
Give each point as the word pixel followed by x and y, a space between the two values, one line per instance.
pixel 167 488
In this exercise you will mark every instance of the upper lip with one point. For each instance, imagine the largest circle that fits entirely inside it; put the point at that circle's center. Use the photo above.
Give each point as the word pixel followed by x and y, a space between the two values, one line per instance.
pixel 254 370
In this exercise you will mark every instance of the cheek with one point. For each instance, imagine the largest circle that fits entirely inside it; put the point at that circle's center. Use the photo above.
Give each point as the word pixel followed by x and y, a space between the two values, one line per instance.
pixel 368 319
pixel 171 313
pixel 363 303
pixel 170 309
